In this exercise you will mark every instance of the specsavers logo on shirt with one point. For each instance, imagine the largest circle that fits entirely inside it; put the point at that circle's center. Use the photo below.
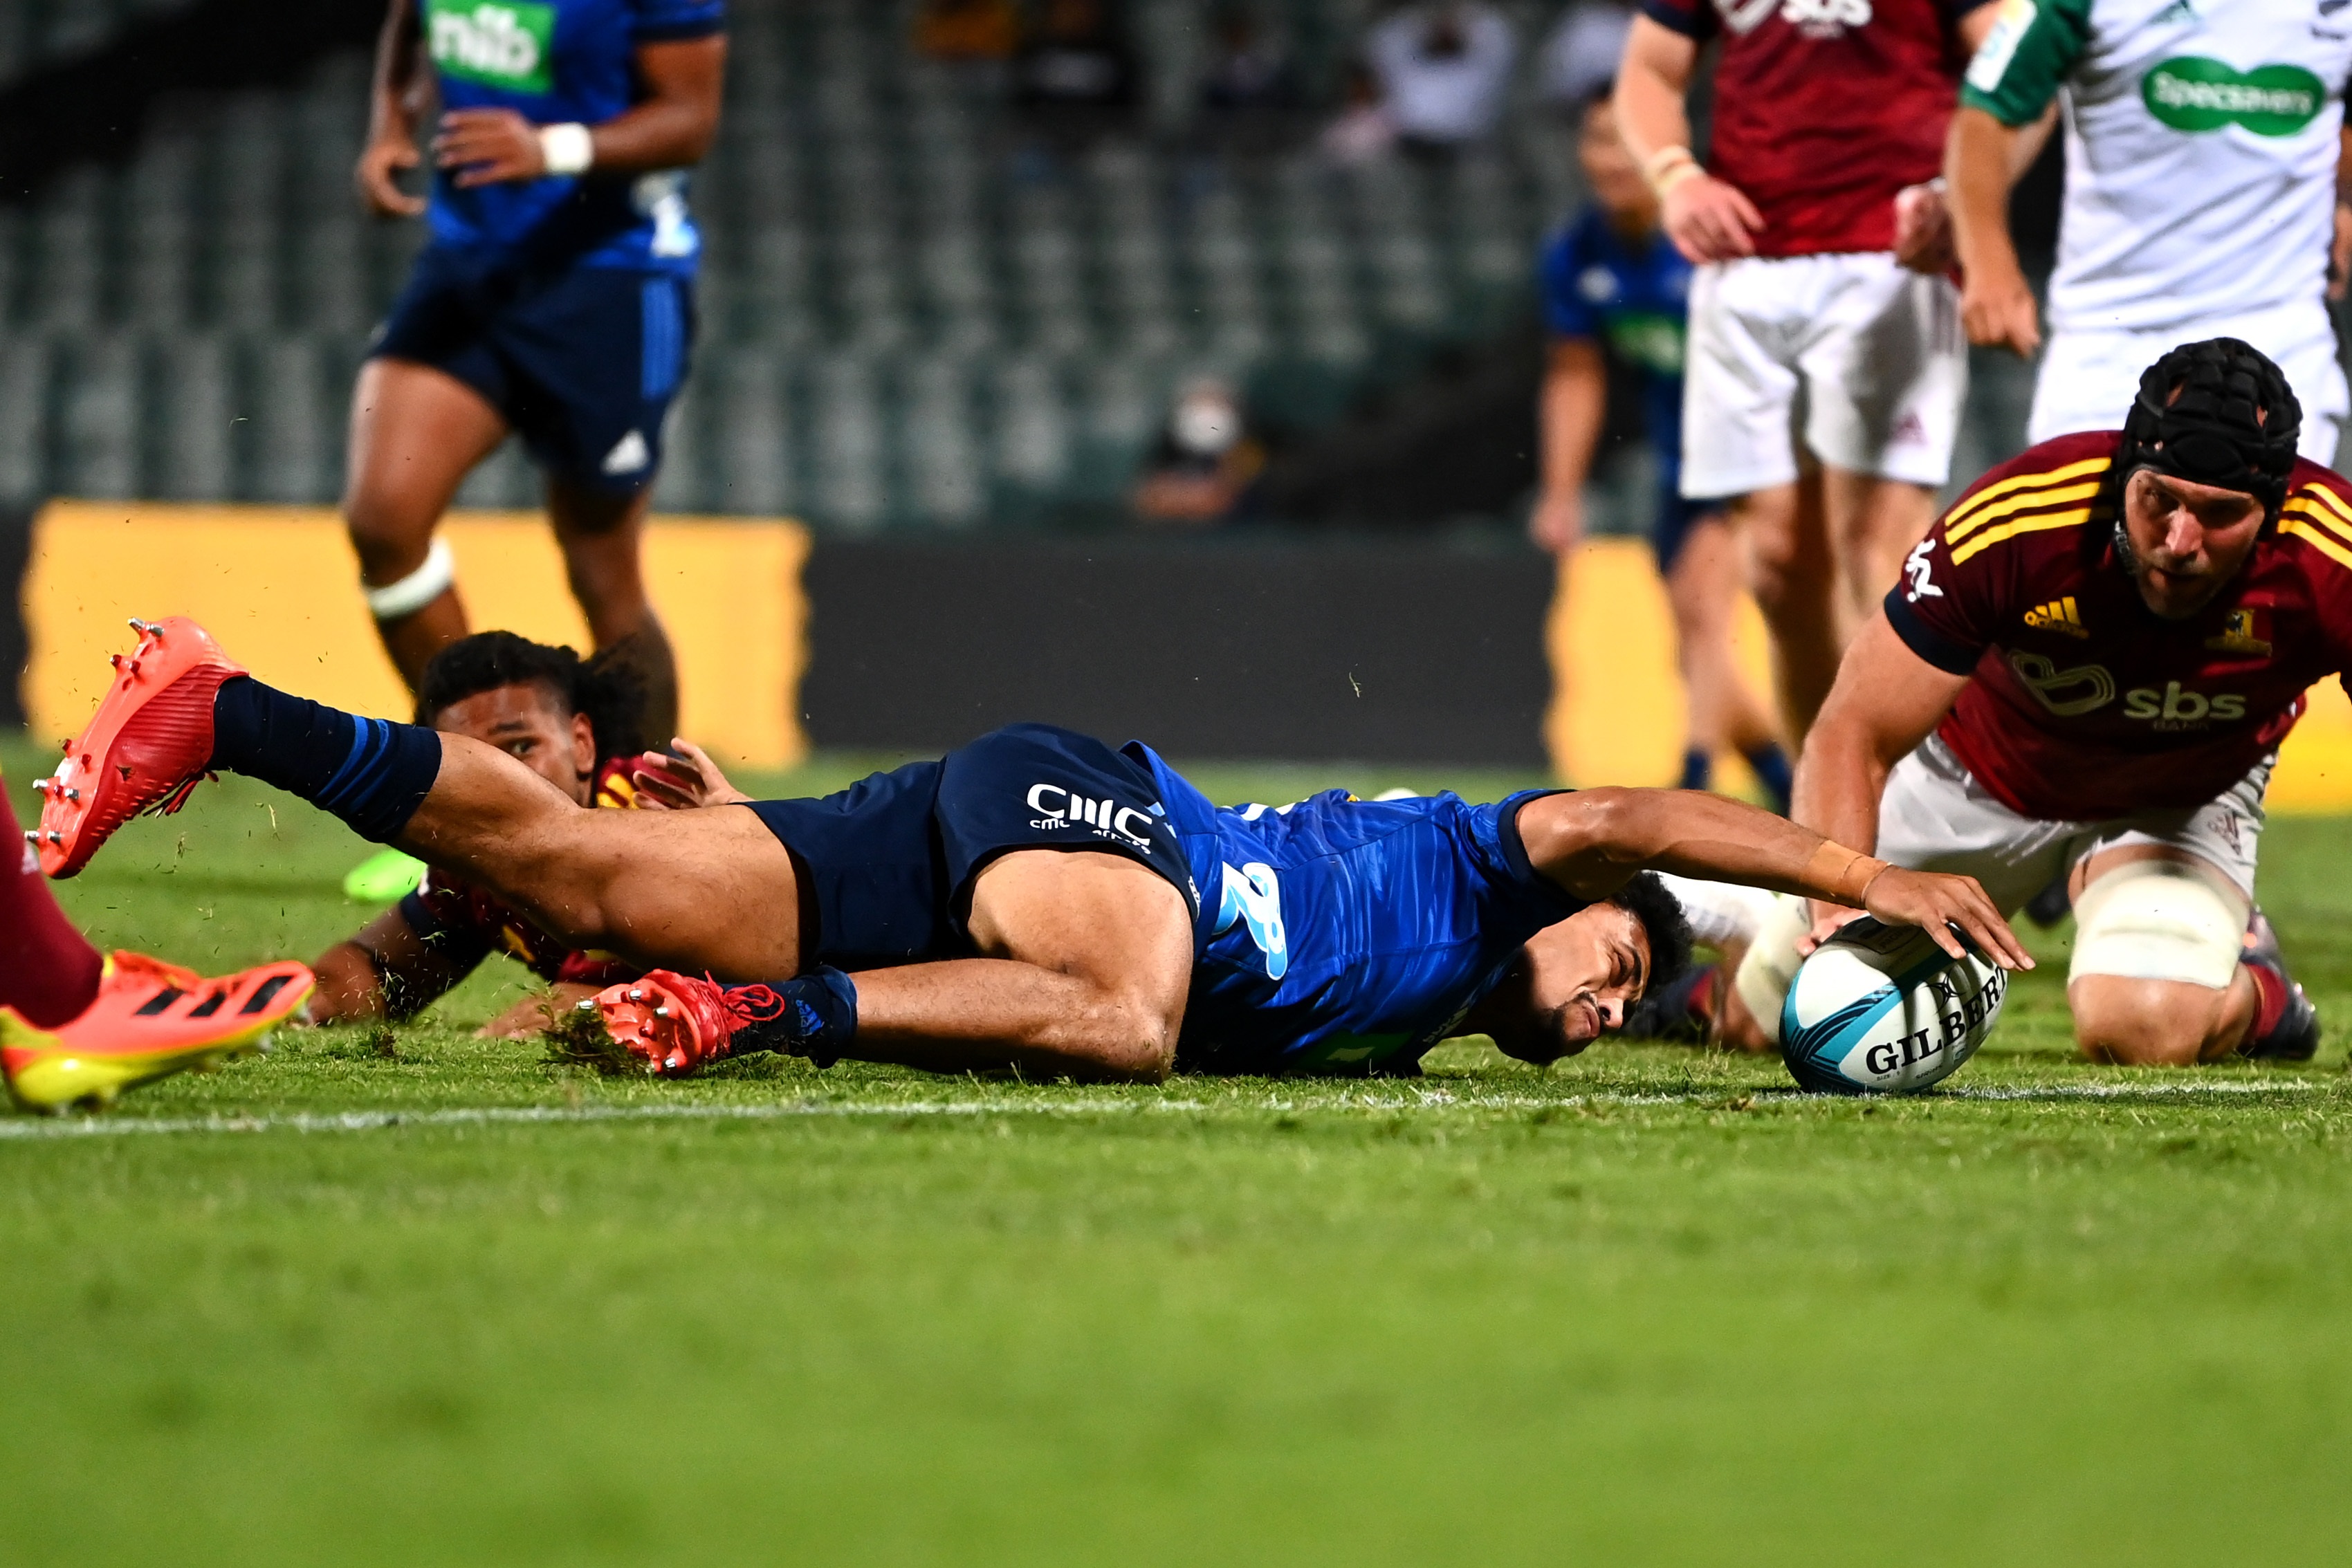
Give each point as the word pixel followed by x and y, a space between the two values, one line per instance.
pixel 2194 94
pixel 499 43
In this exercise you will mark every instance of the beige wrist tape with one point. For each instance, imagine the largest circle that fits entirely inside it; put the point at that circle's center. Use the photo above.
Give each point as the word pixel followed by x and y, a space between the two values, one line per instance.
pixel 1669 167
pixel 1847 873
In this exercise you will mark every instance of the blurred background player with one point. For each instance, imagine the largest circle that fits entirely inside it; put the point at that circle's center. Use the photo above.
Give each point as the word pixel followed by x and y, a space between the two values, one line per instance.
pixel 555 300
pixel 2204 157
pixel 1825 114
pixel 1611 276
pixel 2087 670
pixel 571 723
pixel 80 1026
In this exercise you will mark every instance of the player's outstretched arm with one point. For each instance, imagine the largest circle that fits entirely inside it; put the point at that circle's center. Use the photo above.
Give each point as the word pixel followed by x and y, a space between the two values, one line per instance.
pixel 1591 842
pixel 384 970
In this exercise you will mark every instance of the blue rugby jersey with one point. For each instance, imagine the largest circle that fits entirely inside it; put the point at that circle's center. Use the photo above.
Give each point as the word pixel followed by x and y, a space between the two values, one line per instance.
pixel 1634 296
pixel 1338 933
pixel 555 61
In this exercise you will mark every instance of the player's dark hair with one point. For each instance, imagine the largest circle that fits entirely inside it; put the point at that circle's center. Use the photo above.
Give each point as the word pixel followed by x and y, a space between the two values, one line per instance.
pixel 1645 898
pixel 2214 413
pixel 605 687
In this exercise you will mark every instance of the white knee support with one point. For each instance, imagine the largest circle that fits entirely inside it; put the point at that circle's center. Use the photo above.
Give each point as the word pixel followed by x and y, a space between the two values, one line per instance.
pixel 1770 966
pixel 2160 920
pixel 418 589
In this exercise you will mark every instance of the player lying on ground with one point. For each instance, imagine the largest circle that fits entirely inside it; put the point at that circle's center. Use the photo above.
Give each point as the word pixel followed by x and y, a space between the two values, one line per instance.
pixel 571 723
pixel 1035 901
pixel 79 1025
pixel 2087 670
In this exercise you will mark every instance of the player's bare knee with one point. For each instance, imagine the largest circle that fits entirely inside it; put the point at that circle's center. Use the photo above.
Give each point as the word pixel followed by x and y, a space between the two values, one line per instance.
pixel 2127 1023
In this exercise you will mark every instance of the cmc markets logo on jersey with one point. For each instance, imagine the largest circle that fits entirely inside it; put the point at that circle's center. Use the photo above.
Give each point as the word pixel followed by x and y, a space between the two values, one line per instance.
pixel 2196 94
pixel 498 43
pixel 1059 808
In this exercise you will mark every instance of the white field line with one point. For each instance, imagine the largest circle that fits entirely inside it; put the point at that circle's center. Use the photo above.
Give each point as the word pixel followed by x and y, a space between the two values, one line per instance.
pixel 26 1128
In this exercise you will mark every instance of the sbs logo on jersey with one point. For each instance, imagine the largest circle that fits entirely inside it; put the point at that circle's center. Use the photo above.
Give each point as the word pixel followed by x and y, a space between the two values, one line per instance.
pixel 2195 94
pixel 505 44
pixel 1814 19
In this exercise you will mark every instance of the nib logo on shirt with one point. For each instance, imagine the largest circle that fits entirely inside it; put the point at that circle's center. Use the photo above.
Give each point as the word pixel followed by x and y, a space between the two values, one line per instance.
pixel 498 43
pixel 2058 615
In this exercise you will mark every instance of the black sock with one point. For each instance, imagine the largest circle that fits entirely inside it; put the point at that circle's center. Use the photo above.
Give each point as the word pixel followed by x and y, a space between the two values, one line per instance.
pixel 1698 769
pixel 818 1017
pixel 372 773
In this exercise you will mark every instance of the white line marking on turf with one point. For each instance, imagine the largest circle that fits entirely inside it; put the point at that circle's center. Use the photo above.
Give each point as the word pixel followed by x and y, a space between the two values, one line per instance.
pixel 27 1128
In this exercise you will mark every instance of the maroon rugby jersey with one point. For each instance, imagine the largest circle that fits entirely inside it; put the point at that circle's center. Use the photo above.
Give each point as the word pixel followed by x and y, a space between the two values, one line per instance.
pixel 466 924
pixel 1825 108
pixel 2085 705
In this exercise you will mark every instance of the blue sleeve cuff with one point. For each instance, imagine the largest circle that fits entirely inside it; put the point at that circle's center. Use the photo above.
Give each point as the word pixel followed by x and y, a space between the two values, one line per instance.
pixel 1690 21
pixel 1947 652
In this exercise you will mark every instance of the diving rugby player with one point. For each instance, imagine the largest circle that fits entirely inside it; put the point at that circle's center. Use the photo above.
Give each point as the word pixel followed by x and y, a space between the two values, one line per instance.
pixel 1034 900
pixel 2087 670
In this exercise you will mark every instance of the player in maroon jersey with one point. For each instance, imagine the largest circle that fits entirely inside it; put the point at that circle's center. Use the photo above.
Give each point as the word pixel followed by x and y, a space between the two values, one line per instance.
pixel 1829 126
pixel 2087 670
pixel 569 721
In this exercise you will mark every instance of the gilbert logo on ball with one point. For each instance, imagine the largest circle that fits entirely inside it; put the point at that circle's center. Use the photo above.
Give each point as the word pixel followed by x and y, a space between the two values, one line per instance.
pixel 1881 1009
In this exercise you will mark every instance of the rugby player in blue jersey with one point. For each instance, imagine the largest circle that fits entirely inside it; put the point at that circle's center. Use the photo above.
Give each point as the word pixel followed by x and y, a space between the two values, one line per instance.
pixel 1611 276
pixel 1034 900
pixel 555 300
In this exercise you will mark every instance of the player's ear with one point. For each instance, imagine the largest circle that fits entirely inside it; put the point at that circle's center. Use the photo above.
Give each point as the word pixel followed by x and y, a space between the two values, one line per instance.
pixel 584 745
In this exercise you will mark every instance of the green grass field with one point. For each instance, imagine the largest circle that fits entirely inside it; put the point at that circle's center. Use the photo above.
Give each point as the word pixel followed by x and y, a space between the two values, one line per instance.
pixel 434 1300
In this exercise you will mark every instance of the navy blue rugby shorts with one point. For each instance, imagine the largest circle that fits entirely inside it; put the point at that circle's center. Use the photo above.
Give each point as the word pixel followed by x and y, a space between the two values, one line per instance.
pixel 583 361
pixel 887 866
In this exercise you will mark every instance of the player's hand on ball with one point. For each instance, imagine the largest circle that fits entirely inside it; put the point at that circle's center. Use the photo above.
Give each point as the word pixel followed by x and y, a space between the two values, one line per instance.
pixel 1709 220
pixel 378 178
pixel 1922 229
pixel 488 146
pixel 681 780
pixel 1935 903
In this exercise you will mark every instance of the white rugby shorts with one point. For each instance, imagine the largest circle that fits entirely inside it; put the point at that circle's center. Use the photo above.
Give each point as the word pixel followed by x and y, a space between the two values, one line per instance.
pixel 1875 351
pixel 2088 378
pixel 1934 816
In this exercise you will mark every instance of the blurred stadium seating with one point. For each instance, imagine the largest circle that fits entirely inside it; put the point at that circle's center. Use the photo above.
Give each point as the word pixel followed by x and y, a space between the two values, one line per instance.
pixel 906 318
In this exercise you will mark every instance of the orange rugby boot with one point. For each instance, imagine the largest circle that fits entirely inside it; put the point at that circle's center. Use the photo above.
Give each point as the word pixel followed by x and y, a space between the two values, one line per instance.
pixel 144 750
pixel 149 1020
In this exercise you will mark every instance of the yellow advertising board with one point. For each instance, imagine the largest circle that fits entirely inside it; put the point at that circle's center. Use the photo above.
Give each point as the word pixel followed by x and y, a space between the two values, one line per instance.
pixel 279 588
pixel 1617 706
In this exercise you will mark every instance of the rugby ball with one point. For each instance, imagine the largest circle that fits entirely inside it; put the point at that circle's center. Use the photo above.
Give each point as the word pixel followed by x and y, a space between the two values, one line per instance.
pixel 1881 1010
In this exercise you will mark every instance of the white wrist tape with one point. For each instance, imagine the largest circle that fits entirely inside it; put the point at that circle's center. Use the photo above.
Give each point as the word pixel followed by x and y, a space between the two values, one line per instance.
pixel 418 589
pixel 566 149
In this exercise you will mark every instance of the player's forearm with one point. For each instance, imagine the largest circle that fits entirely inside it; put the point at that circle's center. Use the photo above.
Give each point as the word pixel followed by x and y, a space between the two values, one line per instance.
pixel 675 127
pixel 1979 168
pixel 348 990
pixel 1575 400
pixel 1592 841
pixel 1651 85
pixel 393 95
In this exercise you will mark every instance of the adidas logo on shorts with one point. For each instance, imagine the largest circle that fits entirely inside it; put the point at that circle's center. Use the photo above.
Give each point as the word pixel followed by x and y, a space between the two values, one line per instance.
pixel 2058 615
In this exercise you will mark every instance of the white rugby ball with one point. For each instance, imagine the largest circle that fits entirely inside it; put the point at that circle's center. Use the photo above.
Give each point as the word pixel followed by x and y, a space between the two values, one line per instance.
pixel 1881 1010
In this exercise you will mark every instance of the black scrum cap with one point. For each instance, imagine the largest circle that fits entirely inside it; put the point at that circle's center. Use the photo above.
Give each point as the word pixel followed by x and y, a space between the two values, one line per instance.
pixel 2216 413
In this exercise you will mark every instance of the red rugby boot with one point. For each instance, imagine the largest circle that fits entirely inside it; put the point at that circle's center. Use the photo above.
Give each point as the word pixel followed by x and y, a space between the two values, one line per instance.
pixel 679 1023
pixel 144 750
pixel 149 1020
pixel 2286 1024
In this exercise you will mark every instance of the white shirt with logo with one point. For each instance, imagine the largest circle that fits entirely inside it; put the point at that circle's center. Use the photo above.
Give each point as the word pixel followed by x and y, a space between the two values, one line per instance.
pixel 2201 145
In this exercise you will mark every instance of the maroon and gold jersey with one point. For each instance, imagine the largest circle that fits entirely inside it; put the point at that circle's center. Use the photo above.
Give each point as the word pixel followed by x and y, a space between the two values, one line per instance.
pixel 1825 108
pixel 465 925
pixel 2085 704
